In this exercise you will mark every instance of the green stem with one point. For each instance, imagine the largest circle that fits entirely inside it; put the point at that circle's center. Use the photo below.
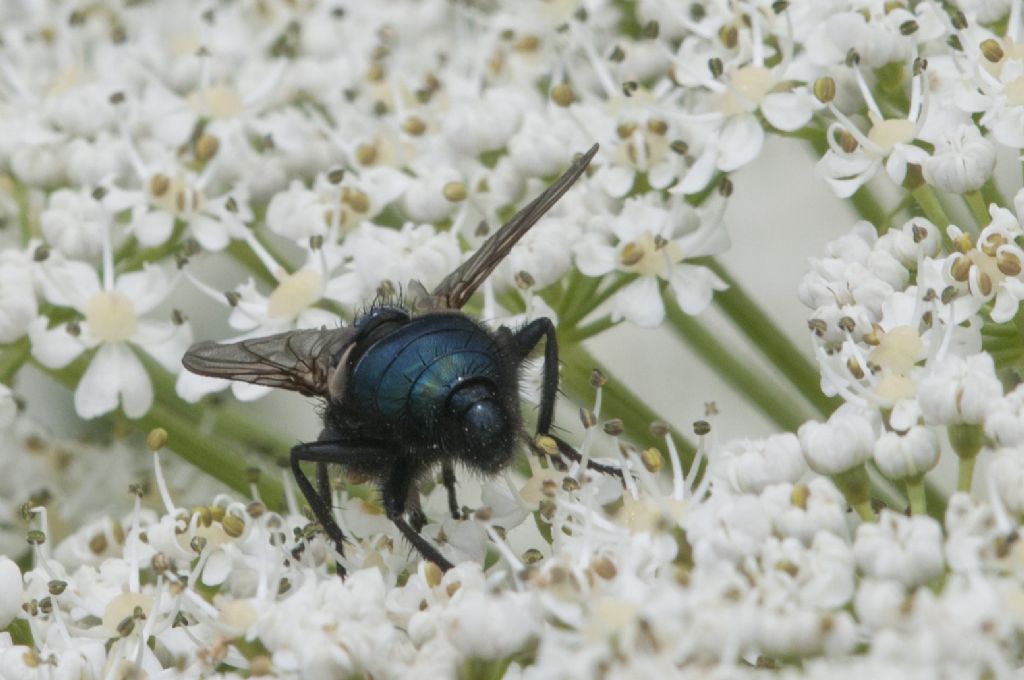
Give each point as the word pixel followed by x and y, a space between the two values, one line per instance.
pixel 750 382
pixel 576 298
pixel 241 252
pixel 863 200
pixel 929 203
pixel 965 474
pixel 916 496
pixel 856 488
pixel 20 192
pixel 581 333
pixel 215 459
pixel 12 359
pixel 865 511
pixel 134 259
pixel 992 343
pixel 764 334
pixel 278 257
pixel 618 401
pixel 870 208
pixel 979 209
pixel 990 192
pixel 999 330
pixel 213 456
pixel 229 421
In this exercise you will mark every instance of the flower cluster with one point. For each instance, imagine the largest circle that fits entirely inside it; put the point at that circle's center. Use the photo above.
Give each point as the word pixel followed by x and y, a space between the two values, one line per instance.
pixel 291 163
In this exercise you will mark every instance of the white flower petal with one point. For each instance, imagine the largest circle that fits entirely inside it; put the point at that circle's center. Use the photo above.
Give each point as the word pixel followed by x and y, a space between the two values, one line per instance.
pixel 153 227
pixel 789 111
pixel 146 288
pixel 594 257
pixel 192 387
pixel 640 303
pixel 54 348
pixel 211 233
pixel 694 286
pixel 114 371
pixel 10 591
pixel 164 341
pixel 739 142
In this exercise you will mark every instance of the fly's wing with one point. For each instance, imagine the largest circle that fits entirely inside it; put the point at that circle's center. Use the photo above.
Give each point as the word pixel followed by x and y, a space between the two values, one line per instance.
pixel 459 286
pixel 295 360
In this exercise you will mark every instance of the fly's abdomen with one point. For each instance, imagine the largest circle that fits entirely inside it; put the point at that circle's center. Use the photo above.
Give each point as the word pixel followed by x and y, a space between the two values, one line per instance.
pixel 406 378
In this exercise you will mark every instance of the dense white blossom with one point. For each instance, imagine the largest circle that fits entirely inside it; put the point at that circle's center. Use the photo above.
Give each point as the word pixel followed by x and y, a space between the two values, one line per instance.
pixel 254 168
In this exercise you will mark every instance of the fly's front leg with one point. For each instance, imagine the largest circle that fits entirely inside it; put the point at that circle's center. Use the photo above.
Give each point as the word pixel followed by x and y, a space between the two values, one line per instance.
pixel 523 341
pixel 448 478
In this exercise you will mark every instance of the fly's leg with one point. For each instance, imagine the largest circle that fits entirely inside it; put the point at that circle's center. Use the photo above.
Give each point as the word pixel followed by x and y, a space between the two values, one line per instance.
pixel 448 478
pixel 523 341
pixel 395 492
pixel 356 452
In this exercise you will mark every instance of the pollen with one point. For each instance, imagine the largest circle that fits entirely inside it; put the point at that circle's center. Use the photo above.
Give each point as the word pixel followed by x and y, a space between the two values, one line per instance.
pixel 294 294
pixel 111 316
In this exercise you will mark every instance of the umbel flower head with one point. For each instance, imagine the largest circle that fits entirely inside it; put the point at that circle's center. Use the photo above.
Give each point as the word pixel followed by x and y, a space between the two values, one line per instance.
pixel 231 170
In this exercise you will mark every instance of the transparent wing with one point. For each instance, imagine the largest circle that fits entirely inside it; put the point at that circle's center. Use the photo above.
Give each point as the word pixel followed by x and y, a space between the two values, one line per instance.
pixel 294 360
pixel 456 288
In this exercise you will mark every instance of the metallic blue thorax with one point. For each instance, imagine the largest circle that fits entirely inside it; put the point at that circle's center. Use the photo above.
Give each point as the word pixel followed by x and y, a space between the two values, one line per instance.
pixel 406 377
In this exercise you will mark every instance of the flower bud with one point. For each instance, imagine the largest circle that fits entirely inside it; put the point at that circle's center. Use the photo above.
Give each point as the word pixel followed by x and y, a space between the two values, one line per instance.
pixel 908 455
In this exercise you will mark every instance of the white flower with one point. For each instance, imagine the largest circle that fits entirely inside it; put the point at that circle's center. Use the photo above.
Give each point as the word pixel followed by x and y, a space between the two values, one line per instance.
pixel 492 626
pixel 74 223
pixel 878 602
pixel 991 268
pixel 1007 475
pixel 905 549
pixel 395 256
pixel 908 454
pixel 476 124
pixel 10 590
pixel 889 141
pixel 1004 423
pixel 112 322
pixel 959 390
pixel 18 305
pixel 8 407
pixel 963 161
pixel 424 199
pixel 842 443
pixel 805 511
pixel 653 241
pixel 748 466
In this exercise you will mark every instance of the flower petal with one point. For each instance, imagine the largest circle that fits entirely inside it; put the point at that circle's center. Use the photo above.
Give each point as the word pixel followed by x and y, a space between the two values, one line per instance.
pixel 693 287
pixel 146 288
pixel 739 142
pixel 114 371
pixel 53 347
pixel 164 341
pixel 640 303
